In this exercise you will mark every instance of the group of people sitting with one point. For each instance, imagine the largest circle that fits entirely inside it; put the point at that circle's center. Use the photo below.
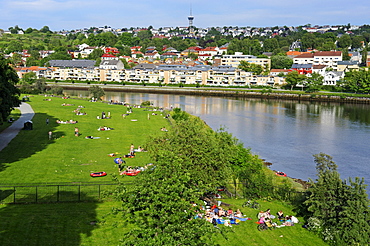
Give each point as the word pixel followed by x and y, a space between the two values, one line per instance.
pixel 217 215
pixel 67 122
pixel 267 218
pixel 104 128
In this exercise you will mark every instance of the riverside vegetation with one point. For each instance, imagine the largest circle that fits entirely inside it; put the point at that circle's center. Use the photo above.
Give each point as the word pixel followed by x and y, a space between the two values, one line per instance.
pixel 190 159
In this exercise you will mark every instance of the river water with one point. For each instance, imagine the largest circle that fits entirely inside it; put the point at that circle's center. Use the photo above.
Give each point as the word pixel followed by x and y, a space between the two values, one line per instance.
pixel 285 133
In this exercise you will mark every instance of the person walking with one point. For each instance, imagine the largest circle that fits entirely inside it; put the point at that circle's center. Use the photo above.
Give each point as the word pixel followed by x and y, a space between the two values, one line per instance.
pixel 50 135
pixel 77 132
pixel 47 121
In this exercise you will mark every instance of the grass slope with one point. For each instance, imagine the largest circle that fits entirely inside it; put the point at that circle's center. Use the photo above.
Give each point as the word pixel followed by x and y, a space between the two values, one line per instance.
pixel 32 158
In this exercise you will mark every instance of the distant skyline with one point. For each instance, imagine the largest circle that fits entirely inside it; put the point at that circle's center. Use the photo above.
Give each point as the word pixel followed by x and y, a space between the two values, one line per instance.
pixel 68 14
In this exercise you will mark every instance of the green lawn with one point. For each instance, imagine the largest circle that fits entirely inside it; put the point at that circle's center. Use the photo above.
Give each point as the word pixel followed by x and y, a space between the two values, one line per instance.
pixel 32 158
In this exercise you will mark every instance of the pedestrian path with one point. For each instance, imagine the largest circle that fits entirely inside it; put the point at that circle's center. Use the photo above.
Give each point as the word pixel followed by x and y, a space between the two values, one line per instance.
pixel 9 133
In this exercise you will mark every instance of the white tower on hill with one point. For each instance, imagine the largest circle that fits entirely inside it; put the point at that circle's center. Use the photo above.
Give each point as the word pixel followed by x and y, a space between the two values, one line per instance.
pixel 191 18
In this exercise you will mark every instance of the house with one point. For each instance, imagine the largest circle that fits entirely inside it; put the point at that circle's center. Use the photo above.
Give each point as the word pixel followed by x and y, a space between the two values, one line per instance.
pixel 302 68
pixel 332 77
pixel 276 72
pixel 346 66
pixel 137 54
pixel 212 51
pixel 169 55
pixel 111 64
pixel 328 58
pixel 111 50
pixel 109 57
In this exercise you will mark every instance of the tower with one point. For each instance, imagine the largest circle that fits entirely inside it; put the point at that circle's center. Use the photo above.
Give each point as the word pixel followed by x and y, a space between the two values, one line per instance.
pixel 191 18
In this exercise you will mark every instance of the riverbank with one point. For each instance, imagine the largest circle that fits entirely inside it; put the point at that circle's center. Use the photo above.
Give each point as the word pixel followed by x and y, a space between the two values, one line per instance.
pixel 225 92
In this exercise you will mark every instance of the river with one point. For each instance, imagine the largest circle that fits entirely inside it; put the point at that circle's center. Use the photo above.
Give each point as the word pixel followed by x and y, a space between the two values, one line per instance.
pixel 285 133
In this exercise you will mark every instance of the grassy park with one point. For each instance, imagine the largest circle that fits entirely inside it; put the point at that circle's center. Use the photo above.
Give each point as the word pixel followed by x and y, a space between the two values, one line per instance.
pixel 33 158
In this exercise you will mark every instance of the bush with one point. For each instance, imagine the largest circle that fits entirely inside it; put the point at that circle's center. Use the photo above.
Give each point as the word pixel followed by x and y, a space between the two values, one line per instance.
pixel 57 90
pixel 145 104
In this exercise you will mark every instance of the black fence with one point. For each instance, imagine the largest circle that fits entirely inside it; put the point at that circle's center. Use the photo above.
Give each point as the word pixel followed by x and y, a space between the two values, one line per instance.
pixel 54 193
pixel 84 192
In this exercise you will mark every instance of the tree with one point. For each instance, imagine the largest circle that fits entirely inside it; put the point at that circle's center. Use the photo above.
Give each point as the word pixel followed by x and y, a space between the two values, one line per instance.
pixel 256 69
pixel 8 92
pixel 165 199
pixel 145 34
pixel 314 82
pixel 342 209
pixel 364 57
pixel 45 29
pixel 29 77
pixel 357 81
pixel 96 91
pixel 95 54
pixel 294 78
pixel 281 62
pixel 344 41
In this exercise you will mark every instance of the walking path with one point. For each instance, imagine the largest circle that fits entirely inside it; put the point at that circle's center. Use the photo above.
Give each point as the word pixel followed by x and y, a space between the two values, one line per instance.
pixel 9 133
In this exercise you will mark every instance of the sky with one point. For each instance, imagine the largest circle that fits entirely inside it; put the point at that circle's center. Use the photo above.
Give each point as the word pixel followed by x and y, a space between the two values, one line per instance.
pixel 76 14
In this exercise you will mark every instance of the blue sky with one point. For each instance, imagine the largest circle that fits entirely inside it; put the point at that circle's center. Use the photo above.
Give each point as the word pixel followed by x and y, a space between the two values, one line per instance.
pixel 74 14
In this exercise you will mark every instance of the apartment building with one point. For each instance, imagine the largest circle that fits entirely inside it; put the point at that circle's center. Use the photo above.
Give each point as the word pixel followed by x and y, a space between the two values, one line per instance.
pixel 234 60
pixel 166 74
pixel 327 58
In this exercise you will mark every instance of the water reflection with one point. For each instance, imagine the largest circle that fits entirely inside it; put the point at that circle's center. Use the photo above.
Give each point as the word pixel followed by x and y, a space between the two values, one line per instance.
pixel 285 133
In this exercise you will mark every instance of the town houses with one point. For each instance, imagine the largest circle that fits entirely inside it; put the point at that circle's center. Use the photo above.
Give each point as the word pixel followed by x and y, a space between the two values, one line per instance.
pixel 200 65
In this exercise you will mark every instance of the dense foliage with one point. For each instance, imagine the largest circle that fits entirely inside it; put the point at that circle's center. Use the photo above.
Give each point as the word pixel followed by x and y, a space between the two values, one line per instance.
pixel 340 209
pixel 96 92
pixel 190 161
pixel 8 92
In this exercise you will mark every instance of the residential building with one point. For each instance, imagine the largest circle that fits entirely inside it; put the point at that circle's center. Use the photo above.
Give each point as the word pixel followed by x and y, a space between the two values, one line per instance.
pixel 234 60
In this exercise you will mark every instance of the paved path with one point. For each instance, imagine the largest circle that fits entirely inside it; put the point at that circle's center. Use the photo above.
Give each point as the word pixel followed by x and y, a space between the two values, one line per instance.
pixel 9 133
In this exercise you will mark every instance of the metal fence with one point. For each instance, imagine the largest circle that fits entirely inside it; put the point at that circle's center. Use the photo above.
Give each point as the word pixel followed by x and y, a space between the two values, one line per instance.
pixel 83 192
pixel 54 193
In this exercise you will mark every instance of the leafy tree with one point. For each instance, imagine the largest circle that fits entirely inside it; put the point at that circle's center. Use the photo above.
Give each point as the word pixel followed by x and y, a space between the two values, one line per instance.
pixel 56 90
pixel 40 86
pixel 14 46
pixel 8 92
pixel 364 56
pixel 294 78
pixel 357 81
pixel 161 201
pixel 29 77
pixel 60 54
pixel 45 29
pixel 95 54
pixel 96 91
pixel 342 209
pixel 256 69
pixel 345 55
pixel 145 34
pixel 16 59
pixel 344 41
pixel 314 82
pixel 281 62
pixel 357 42
pixel 270 44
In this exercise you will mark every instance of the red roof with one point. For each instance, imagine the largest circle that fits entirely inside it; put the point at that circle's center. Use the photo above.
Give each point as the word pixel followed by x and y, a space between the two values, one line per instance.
pixel 108 55
pixel 209 49
pixel 328 53
pixel 305 55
